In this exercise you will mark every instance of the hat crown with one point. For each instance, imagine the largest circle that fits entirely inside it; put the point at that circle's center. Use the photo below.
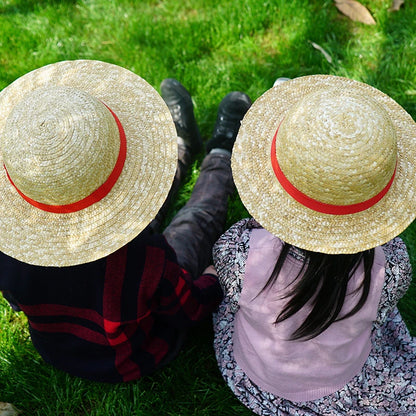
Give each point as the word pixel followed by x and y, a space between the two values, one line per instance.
pixel 337 146
pixel 59 145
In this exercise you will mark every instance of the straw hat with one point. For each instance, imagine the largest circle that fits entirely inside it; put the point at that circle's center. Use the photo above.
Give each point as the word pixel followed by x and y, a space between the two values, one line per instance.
pixel 89 153
pixel 327 164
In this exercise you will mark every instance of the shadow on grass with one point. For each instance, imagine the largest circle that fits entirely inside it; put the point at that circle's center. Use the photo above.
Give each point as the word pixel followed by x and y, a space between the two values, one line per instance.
pixel 190 385
pixel 400 28
pixel 28 6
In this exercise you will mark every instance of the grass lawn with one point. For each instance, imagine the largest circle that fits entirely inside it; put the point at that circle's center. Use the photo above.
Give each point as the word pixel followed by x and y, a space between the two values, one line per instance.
pixel 212 47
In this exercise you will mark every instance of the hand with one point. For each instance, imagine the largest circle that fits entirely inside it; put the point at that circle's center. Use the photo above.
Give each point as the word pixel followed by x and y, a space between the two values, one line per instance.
pixel 210 270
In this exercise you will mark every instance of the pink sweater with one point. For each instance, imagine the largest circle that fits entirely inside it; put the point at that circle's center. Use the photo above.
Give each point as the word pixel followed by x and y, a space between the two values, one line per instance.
pixel 299 370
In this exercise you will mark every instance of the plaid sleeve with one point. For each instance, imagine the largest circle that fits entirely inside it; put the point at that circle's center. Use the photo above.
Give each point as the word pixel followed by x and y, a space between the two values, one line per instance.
pixel 183 301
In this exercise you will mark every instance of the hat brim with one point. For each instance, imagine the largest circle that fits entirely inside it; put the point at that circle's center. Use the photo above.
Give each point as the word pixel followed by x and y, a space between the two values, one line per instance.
pixel 266 200
pixel 48 239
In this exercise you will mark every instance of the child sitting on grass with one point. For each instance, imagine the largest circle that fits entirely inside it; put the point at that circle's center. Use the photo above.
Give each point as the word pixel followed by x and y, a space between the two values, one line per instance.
pixel 309 324
pixel 89 153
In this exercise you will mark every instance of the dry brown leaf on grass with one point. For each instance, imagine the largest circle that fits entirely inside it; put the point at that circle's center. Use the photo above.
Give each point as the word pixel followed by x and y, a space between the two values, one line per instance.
pixel 355 11
pixel 7 409
pixel 396 5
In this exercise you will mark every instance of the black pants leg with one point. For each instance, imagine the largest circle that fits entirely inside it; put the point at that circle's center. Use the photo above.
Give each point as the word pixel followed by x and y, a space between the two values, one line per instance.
pixel 196 227
pixel 184 160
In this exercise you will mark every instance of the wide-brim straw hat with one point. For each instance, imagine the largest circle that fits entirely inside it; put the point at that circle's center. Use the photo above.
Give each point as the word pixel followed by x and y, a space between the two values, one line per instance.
pixel 327 164
pixel 88 153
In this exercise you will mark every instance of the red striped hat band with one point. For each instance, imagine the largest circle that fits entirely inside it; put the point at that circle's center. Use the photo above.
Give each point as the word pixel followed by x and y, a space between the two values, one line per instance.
pixel 95 196
pixel 318 206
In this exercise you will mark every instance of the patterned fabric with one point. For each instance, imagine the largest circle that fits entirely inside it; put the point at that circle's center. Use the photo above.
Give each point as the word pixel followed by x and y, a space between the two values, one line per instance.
pixel 115 319
pixel 387 382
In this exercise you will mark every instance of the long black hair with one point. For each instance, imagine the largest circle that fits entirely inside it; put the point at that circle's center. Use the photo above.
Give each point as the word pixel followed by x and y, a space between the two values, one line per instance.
pixel 323 281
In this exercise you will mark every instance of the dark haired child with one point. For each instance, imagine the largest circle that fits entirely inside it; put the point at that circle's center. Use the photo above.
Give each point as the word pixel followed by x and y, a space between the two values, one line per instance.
pixel 90 156
pixel 309 324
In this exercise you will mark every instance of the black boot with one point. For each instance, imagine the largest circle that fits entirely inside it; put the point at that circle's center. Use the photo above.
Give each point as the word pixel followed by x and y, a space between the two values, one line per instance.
pixel 180 105
pixel 230 113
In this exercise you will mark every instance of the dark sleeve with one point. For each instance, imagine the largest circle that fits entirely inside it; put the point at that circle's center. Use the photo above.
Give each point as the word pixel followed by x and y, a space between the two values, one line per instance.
pixel 183 301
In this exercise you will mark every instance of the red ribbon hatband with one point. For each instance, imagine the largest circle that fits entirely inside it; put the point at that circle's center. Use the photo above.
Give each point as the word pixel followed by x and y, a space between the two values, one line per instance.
pixel 95 196
pixel 318 206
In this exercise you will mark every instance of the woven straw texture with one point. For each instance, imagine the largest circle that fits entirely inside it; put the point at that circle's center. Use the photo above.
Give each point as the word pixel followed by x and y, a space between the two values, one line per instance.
pixel 59 143
pixel 338 142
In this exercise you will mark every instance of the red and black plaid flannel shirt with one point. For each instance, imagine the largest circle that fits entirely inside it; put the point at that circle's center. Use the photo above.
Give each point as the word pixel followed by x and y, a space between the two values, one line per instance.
pixel 114 319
